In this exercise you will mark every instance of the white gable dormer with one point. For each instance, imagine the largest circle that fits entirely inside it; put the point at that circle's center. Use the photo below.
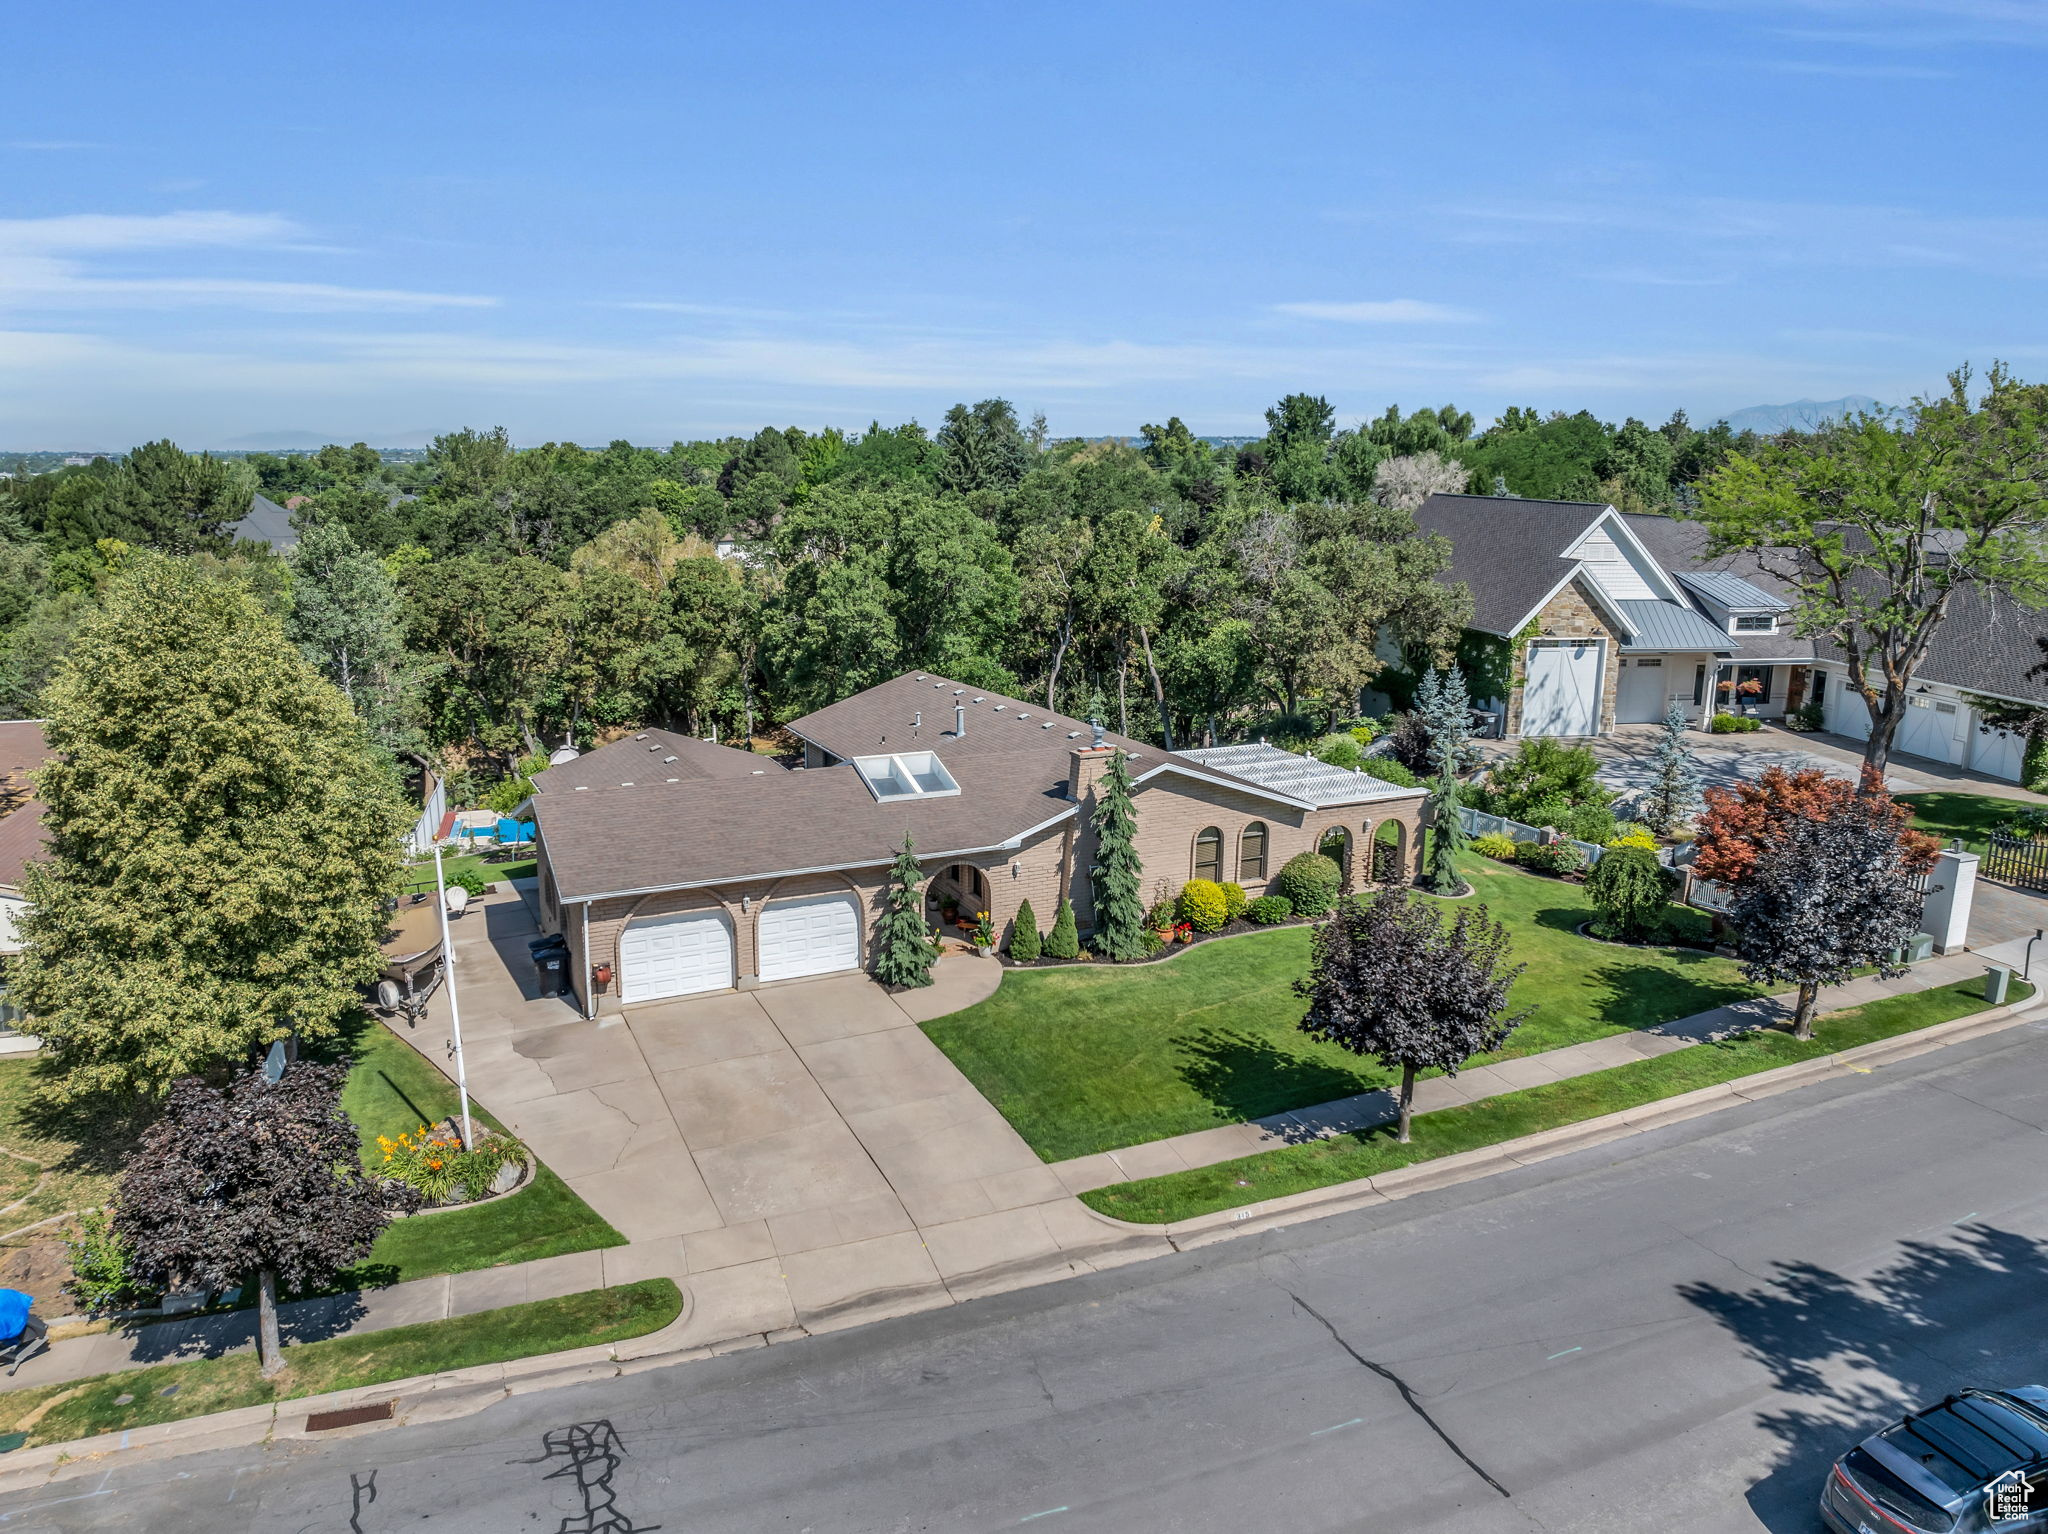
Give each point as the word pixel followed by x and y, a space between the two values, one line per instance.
pixel 1616 559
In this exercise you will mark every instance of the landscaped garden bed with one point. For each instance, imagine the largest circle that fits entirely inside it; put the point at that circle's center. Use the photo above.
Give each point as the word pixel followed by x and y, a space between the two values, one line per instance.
pixel 1447 1131
pixel 1085 1058
pixel 55 1163
pixel 112 1403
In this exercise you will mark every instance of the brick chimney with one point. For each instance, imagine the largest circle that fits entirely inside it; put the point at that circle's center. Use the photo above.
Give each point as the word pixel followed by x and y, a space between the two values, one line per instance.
pixel 1087 764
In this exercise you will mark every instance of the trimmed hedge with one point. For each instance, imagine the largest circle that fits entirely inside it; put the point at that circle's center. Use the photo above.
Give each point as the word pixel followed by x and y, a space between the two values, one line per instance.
pixel 1550 857
pixel 1734 724
pixel 1203 906
pixel 1268 909
pixel 1308 882
pixel 1233 901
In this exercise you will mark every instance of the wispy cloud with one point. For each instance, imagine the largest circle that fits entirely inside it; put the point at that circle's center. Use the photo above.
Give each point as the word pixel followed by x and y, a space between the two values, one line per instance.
pixel 1745 235
pixel 49 263
pixel 1848 71
pixel 1897 23
pixel 1380 311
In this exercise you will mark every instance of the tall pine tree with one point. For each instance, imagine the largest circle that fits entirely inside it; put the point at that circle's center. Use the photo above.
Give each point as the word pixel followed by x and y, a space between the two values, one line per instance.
pixel 1119 907
pixel 223 838
pixel 904 954
pixel 1446 837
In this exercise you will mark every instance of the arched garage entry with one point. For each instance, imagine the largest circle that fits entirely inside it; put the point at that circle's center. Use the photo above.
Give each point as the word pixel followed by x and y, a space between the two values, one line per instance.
pixel 678 954
pixel 808 935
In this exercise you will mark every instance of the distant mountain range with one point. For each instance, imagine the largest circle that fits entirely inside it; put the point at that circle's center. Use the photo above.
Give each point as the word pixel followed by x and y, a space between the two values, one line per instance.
pixel 1804 414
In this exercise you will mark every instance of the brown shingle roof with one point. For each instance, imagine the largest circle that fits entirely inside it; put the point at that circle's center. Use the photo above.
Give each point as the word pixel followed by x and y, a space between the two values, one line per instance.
pixel 653 756
pixel 1012 766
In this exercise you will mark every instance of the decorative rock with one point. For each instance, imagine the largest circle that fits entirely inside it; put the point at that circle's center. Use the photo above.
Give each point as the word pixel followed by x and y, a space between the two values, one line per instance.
pixel 507 1178
pixel 124 1400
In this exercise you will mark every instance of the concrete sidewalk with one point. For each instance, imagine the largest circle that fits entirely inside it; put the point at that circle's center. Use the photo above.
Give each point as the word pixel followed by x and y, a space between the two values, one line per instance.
pixel 802 1158
pixel 1370 1110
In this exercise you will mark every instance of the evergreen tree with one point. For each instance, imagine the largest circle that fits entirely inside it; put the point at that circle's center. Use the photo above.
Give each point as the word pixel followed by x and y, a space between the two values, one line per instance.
pixel 1446 836
pixel 1115 875
pixel 1063 942
pixel 904 953
pixel 260 1179
pixel 1415 984
pixel 1674 791
pixel 1445 709
pixel 1025 943
pixel 222 840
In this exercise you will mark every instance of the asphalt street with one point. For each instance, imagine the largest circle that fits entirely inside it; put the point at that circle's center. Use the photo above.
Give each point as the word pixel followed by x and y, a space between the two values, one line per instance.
pixel 1673 1332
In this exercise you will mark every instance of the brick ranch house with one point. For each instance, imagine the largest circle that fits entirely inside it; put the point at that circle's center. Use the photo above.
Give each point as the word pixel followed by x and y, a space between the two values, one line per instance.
pixel 1601 619
pixel 682 866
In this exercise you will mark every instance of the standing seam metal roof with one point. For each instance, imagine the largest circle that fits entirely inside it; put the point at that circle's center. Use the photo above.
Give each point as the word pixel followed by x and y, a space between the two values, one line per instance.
pixel 1297 776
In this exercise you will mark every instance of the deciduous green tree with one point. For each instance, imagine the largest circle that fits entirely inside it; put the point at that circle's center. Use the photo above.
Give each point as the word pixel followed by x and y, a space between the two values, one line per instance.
pixel 222 840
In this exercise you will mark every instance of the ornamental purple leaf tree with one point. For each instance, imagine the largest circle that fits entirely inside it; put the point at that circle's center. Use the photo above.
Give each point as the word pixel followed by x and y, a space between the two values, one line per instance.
pixel 1826 899
pixel 1412 983
pixel 254 1179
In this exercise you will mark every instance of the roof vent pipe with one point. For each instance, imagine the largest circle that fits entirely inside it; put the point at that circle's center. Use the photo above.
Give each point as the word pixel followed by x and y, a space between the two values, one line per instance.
pixel 917 720
pixel 959 720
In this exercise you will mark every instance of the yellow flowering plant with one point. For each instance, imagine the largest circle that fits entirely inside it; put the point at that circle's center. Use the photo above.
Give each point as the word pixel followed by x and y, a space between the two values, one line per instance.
pixel 432 1160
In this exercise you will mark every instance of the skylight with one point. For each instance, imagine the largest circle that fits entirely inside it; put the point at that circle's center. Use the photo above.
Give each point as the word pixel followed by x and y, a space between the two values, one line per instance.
pixel 906 775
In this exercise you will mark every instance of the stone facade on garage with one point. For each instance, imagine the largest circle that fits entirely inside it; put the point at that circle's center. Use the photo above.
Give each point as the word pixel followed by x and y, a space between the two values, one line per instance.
pixel 1573 613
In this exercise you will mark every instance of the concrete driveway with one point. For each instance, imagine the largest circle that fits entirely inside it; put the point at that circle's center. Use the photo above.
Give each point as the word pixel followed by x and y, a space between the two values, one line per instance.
pixel 800 1155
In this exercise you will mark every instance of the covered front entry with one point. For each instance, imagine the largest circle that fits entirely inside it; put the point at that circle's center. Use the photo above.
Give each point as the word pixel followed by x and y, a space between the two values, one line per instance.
pixel 1561 695
pixel 812 935
pixel 676 955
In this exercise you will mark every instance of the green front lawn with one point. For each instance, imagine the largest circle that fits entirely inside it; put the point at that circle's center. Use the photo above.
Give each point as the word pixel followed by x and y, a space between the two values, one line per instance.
pixel 1970 817
pixel 1348 1157
pixel 112 1403
pixel 1089 1059
pixel 57 1160
pixel 392 1090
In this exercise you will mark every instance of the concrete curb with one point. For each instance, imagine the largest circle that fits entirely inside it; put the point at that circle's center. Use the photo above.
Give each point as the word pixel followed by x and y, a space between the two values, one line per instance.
pixel 464 1392
pixel 1447 1171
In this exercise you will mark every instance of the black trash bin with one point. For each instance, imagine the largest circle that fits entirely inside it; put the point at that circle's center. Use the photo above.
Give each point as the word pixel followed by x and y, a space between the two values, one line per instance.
pixel 552 962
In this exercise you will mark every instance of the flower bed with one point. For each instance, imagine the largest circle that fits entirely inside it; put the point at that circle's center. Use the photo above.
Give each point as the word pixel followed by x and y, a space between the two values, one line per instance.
pixel 1234 927
pixel 433 1161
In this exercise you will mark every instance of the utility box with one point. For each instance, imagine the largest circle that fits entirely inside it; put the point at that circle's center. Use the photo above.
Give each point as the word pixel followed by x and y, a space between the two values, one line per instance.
pixel 1997 984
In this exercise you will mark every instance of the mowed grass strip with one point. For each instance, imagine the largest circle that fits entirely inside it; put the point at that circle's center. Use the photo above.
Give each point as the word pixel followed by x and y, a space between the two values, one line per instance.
pixel 1970 818
pixel 392 1090
pixel 1093 1058
pixel 171 1392
pixel 1346 1158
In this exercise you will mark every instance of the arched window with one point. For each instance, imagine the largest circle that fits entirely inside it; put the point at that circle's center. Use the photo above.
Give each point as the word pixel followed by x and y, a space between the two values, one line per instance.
pixel 1209 854
pixel 1251 852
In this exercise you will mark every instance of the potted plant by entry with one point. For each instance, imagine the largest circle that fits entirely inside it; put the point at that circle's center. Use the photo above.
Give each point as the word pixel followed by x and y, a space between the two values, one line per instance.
pixel 984 935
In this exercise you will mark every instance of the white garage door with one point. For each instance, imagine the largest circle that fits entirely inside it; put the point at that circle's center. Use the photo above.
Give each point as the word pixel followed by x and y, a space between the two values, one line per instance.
pixel 1996 754
pixel 1928 729
pixel 1641 696
pixel 1846 712
pixel 675 956
pixel 1562 693
pixel 811 936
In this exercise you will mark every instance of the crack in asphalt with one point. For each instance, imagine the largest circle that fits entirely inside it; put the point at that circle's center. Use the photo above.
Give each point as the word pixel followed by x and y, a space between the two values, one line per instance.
pixel 1407 1394
pixel 1940 1086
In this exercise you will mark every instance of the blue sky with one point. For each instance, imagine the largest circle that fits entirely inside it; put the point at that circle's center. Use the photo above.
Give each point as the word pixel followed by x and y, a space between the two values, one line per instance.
pixel 227 221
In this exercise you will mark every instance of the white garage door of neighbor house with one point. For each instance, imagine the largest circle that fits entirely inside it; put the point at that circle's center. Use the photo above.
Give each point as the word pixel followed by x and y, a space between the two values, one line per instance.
pixel 1996 753
pixel 1640 698
pixel 1928 729
pixel 675 956
pixel 812 936
pixel 1561 695
pixel 1846 711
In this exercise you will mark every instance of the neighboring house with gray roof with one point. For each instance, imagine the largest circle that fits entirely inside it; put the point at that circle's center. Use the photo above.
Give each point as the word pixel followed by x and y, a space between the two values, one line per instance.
pixel 674 865
pixel 268 523
pixel 1611 618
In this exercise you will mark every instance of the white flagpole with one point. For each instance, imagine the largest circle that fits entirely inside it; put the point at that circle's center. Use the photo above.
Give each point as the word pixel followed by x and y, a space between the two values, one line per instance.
pixel 454 1008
